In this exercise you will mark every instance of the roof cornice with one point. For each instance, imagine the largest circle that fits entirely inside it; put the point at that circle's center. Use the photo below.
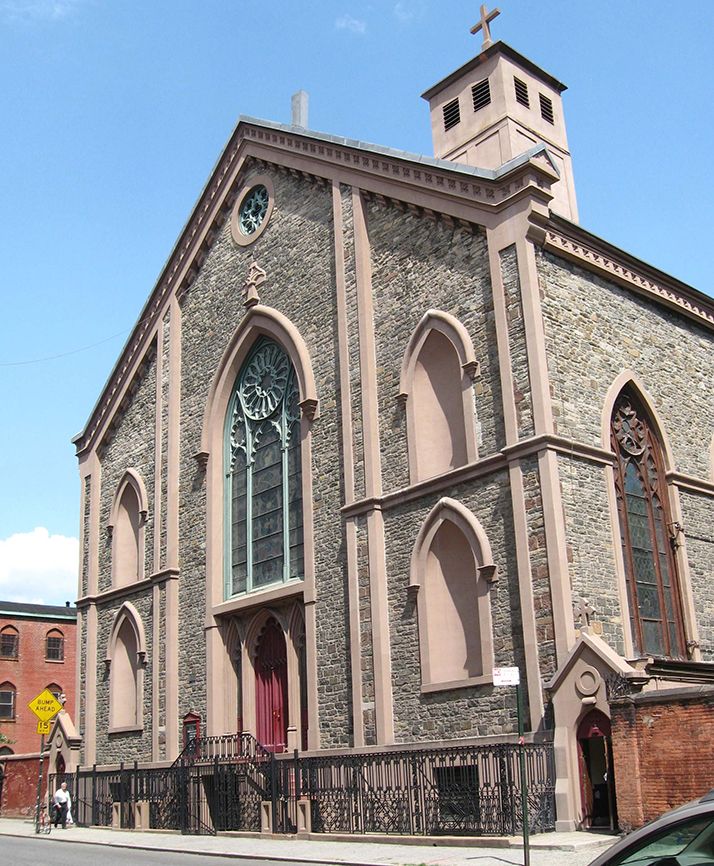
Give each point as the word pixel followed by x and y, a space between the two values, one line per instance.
pixel 570 241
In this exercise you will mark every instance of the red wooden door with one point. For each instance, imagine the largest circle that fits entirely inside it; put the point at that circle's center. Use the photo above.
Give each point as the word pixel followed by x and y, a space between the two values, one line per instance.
pixel 271 688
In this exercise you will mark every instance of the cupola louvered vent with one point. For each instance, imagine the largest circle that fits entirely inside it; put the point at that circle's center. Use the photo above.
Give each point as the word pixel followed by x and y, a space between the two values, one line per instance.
pixel 481 94
pixel 452 114
pixel 521 92
pixel 546 109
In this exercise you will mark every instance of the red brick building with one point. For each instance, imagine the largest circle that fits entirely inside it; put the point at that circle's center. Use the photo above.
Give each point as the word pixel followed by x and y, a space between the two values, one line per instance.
pixel 37 651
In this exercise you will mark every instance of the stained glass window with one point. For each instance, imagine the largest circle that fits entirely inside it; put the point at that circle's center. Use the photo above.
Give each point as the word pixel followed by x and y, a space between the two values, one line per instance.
pixel 263 474
pixel 650 567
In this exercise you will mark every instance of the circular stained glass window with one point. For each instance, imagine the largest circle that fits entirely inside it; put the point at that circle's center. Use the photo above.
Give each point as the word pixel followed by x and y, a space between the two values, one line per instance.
pixel 253 210
pixel 264 381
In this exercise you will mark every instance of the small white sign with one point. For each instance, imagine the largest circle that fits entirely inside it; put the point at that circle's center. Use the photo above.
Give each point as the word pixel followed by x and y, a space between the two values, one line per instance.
pixel 506 676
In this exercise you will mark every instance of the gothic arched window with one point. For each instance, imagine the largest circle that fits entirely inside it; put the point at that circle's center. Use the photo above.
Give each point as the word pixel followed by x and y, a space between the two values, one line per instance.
pixel 263 474
pixel 650 568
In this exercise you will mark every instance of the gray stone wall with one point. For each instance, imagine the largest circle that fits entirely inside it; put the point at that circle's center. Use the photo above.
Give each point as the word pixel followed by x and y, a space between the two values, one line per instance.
pixel 595 330
pixel 420 264
pixel 591 556
pixel 464 712
pixel 522 396
pixel 130 444
pixel 297 252
pixel 540 571
pixel 698 521
pixel 128 746
pixel 86 503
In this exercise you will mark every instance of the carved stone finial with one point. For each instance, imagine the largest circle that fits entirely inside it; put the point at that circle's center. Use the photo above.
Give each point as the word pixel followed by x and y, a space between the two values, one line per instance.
pixel 484 25
pixel 256 276
pixel 582 611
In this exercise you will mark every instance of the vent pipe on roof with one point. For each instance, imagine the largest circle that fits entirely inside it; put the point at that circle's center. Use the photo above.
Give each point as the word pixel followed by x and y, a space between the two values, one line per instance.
pixel 299 106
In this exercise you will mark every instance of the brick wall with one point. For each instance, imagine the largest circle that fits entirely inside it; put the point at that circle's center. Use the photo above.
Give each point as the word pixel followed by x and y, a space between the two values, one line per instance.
pixel 18 789
pixel 662 750
pixel 31 672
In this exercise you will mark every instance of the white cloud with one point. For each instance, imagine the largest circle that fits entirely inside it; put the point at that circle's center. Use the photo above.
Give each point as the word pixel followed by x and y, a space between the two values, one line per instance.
pixel 347 22
pixel 407 10
pixel 38 568
pixel 38 10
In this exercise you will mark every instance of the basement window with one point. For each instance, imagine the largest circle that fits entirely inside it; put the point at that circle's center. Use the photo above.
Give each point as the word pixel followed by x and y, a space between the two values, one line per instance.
pixel 452 114
pixel 546 109
pixel 521 92
pixel 481 94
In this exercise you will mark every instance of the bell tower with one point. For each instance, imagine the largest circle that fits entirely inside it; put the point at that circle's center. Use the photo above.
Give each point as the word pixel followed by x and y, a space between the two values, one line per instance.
pixel 496 107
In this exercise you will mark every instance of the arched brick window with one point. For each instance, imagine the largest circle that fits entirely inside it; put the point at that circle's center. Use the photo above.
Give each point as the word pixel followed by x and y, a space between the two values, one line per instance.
pixel 9 642
pixel 650 567
pixel 54 646
pixel 8 694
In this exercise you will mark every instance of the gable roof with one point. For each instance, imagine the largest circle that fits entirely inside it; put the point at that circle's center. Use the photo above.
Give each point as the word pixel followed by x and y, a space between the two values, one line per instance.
pixel 462 192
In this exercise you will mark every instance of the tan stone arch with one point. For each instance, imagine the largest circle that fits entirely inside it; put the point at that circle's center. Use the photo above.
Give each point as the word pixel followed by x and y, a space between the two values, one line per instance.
pixel 459 420
pixel 629 379
pixel 436 642
pixel 258 321
pixel 292 622
pixel 122 558
pixel 126 661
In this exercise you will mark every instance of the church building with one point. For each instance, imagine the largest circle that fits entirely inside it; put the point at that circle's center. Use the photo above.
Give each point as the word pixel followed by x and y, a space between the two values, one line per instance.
pixel 388 422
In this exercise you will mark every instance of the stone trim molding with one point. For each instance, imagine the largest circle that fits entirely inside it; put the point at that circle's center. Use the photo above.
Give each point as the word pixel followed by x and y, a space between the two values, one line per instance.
pixel 475 535
pixel 690 483
pixel 158 577
pixel 596 255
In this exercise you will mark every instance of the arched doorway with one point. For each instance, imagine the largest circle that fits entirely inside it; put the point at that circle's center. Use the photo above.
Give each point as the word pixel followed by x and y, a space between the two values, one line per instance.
pixel 271 688
pixel 597 779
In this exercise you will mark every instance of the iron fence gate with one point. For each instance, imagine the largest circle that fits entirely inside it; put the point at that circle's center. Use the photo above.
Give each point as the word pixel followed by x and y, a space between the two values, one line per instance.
pixel 232 783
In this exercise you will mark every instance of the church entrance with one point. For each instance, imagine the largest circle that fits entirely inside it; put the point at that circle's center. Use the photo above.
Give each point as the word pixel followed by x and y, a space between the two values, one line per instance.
pixel 271 688
pixel 597 780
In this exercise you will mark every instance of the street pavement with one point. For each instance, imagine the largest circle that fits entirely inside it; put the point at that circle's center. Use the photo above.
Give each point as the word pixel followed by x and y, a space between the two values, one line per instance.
pixel 547 849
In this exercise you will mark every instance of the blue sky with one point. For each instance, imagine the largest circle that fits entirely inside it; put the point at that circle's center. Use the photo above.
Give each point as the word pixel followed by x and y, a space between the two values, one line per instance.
pixel 115 111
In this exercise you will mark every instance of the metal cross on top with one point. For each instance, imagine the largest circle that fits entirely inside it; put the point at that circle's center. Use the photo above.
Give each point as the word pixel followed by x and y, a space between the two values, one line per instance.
pixel 483 24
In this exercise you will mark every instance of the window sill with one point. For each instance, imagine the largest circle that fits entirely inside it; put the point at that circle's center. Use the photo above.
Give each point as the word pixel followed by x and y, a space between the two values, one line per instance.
pixel 126 729
pixel 253 599
pixel 484 679
pixel 54 661
pixel 9 658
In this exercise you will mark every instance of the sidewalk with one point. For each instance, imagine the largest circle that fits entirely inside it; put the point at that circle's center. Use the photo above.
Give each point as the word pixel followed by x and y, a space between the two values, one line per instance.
pixel 547 849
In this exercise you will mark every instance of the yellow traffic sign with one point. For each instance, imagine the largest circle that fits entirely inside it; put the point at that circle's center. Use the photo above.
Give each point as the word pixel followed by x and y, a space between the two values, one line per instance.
pixel 45 705
pixel 44 727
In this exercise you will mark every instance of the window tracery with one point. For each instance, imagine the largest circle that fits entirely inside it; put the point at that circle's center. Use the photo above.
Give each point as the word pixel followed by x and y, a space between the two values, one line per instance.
pixel 263 474
pixel 650 567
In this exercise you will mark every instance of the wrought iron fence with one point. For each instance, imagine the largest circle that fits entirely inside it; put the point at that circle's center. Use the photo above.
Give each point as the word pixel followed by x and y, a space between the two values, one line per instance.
pixel 232 783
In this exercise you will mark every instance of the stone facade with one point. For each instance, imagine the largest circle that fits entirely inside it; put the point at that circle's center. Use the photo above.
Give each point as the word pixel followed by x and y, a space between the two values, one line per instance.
pixel 358 247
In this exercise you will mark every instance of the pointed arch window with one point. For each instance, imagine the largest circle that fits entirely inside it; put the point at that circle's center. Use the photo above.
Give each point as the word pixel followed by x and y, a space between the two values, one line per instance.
pixel 126 661
pixel 436 387
pixel 452 572
pixel 650 565
pixel 263 494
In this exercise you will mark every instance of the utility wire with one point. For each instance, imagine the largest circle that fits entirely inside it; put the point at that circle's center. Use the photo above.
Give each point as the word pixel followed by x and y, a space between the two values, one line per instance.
pixel 63 354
